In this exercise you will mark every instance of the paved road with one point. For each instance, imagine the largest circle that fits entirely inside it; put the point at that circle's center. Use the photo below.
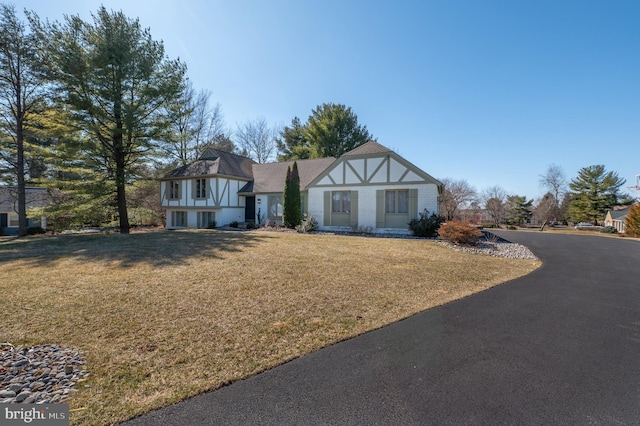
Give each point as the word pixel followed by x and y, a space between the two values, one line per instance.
pixel 560 346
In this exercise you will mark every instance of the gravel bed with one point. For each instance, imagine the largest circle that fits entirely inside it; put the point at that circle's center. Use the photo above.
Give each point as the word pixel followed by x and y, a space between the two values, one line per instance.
pixel 39 374
pixel 494 248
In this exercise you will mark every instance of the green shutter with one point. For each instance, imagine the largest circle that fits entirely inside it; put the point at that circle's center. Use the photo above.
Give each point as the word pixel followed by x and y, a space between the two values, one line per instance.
pixel 380 208
pixel 167 190
pixel 354 208
pixel 304 203
pixel 413 204
pixel 327 208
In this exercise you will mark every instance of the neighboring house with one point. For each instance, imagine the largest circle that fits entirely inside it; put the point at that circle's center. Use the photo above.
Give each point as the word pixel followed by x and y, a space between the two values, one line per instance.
pixel 35 197
pixel 476 216
pixel 616 218
pixel 370 187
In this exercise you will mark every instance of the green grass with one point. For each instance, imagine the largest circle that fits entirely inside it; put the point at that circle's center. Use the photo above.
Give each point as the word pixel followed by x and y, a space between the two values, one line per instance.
pixel 164 316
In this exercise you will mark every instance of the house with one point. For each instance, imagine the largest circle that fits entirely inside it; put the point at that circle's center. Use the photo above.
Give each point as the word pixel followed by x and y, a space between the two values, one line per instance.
pixel 370 187
pixel 35 197
pixel 616 218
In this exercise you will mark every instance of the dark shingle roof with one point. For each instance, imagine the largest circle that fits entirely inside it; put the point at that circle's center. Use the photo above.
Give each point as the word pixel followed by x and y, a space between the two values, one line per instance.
pixel 370 147
pixel 270 177
pixel 35 197
pixel 215 162
pixel 618 214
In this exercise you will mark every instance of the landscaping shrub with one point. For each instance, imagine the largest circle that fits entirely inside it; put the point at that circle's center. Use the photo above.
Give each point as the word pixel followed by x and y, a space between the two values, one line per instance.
pixel 308 224
pixel 234 224
pixel 33 230
pixel 459 232
pixel 426 226
pixel 608 230
pixel 251 225
pixel 212 224
pixel 489 225
pixel 632 221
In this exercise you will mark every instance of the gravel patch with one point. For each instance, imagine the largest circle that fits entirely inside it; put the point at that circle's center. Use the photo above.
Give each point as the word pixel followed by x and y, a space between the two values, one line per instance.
pixel 494 248
pixel 39 374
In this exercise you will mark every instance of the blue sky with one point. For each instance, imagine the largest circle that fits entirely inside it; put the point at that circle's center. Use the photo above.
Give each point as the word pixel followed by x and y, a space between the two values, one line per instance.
pixel 491 92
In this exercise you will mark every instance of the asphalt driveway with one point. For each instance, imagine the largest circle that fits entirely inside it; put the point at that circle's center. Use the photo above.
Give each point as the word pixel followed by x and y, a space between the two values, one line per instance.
pixel 559 346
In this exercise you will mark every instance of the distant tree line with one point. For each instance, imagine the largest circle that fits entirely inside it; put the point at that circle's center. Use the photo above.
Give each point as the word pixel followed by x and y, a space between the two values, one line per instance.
pixel 586 198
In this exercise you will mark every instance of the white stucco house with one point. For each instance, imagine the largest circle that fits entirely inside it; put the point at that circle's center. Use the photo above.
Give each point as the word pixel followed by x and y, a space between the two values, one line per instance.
pixel 369 187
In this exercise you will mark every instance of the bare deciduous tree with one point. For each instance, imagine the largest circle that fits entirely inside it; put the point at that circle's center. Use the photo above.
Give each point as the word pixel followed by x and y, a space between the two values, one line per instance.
pixel 555 182
pixel 195 125
pixel 494 202
pixel 545 209
pixel 258 139
pixel 457 195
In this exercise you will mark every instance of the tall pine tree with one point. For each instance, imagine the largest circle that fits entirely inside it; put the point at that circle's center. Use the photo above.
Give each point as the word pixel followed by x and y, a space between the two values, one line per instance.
pixel 594 191
pixel 117 81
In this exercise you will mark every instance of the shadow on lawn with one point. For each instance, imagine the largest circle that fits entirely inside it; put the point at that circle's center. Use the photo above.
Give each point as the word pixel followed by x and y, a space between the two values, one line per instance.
pixel 154 248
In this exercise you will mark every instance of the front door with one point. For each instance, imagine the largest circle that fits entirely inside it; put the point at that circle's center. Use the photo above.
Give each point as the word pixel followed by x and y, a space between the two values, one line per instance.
pixel 250 209
pixel 3 220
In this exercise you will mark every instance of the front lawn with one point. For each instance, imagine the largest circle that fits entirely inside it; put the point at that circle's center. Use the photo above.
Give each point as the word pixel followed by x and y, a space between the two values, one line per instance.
pixel 164 316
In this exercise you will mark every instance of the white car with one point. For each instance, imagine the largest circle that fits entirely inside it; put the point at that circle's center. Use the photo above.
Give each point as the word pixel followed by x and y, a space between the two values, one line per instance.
pixel 584 225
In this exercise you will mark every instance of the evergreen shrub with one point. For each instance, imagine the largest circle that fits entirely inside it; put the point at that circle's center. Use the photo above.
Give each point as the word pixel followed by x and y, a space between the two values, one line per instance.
pixel 426 226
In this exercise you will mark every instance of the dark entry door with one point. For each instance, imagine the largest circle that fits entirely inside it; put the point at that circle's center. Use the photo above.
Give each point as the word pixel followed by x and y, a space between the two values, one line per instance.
pixel 250 209
pixel 3 220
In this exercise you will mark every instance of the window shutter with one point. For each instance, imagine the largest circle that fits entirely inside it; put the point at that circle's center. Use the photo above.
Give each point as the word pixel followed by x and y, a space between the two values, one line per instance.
pixel 413 203
pixel 354 208
pixel 327 208
pixel 193 188
pixel 380 208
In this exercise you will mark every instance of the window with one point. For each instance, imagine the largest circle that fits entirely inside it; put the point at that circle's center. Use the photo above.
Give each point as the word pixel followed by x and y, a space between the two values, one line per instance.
pixel 174 189
pixel 341 202
pixel 200 190
pixel 275 205
pixel 179 218
pixel 206 219
pixel 397 201
pixel 13 220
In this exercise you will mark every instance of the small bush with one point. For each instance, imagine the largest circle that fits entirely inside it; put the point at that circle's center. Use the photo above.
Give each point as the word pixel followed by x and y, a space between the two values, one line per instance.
pixel 427 226
pixel 212 224
pixel 608 230
pixel 33 230
pixel 234 224
pixel 459 232
pixel 489 225
pixel 512 228
pixel 251 225
pixel 309 223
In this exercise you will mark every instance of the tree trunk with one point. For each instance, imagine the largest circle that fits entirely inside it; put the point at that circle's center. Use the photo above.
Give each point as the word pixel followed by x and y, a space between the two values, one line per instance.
pixel 120 160
pixel 544 224
pixel 122 209
pixel 22 193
